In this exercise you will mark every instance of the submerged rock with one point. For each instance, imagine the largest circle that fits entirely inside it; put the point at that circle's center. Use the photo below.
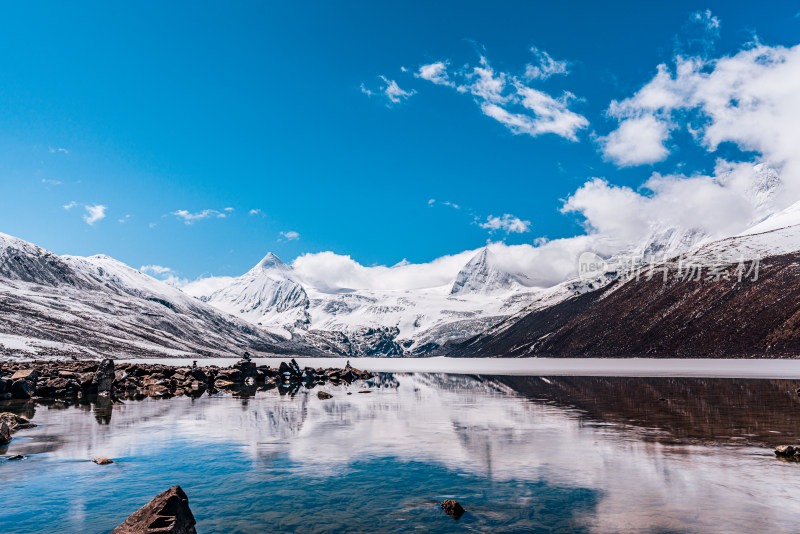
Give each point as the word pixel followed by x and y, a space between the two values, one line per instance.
pixel 15 422
pixel 167 513
pixel 453 509
pixel 103 461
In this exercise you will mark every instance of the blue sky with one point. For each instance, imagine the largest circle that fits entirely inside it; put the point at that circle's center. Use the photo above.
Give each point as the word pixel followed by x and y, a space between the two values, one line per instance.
pixel 270 124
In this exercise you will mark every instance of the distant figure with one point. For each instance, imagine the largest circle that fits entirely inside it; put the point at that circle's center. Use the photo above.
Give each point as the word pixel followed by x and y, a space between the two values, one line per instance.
pixel 246 357
pixel 194 365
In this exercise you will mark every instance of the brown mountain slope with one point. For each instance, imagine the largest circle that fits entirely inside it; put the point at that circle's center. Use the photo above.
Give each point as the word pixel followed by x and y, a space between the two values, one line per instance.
pixel 703 318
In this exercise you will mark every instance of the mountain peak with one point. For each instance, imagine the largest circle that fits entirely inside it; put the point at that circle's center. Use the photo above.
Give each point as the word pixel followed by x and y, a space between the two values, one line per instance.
pixel 270 262
pixel 480 275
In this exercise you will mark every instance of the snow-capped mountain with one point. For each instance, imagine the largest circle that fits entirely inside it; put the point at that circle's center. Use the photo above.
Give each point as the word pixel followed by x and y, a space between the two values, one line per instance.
pixel 97 306
pixel 267 295
pixel 371 322
pixel 481 276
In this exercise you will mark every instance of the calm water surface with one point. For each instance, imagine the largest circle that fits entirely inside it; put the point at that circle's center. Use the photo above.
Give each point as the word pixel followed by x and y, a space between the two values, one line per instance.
pixel 534 454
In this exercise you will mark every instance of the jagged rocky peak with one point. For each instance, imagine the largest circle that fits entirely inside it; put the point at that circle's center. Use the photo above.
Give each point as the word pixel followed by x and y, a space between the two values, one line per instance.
pixel 26 262
pixel 481 275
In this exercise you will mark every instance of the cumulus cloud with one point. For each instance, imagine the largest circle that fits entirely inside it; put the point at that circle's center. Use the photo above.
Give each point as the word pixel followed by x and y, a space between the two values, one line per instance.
pixel 189 217
pixel 94 213
pixel 507 223
pixel 509 99
pixel 389 90
pixel 165 274
pixel 637 140
pixel 291 235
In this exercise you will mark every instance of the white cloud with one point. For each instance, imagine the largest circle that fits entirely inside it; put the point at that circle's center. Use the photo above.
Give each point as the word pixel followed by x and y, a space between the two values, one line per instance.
pixel 436 73
pixel 291 235
pixel 229 210
pixel 389 90
pixel 155 269
pixel 431 202
pixel 190 218
pixel 545 66
pixel 94 213
pixel 70 205
pixel 510 101
pixel 51 182
pixel 61 150
pixel 637 141
pixel 125 218
pixel 255 212
pixel 508 223
pixel 750 99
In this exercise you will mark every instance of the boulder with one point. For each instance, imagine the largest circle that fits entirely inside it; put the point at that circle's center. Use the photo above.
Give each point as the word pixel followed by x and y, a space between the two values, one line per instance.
pixel 786 451
pixel 104 377
pixel 167 513
pixel 103 461
pixel 198 375
pixel 5 434
pixel 322 395
pixel 452 508
pixel 22 389
pixel 247 369
pixel 25 374
pixel 3 385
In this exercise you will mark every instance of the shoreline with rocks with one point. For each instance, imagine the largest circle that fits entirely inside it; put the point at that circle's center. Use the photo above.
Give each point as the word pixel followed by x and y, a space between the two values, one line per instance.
pixel 78 379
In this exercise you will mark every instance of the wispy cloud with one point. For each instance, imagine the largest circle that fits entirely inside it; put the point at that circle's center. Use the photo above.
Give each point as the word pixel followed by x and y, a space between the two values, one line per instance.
pixel 291 235
pixel 70 205
pixel 508 99
pixel 54 150
pixel 507 223
pixel 126 218
pixel 51 182
pixel 256 211
pixel 389 90
pixel 544 66
pixel 189 217
pixel 165 274
pixel 94 213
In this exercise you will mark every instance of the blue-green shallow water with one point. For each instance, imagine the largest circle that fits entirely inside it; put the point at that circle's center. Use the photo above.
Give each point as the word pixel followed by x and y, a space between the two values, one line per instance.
pixel 521 454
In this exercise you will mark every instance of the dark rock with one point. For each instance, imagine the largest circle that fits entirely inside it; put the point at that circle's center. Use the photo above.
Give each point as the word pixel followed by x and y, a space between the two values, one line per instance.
pixel 22 389
pixel 3 386
pixel 104 377
pixel 786 451
pixel 5 434
pixel 246 368
pixel 198 375
pixel 15 422
pixel 167 513
pixel 453 509
pixel 233 375
pixel 322 395
pixel 103 461
pixel 16 457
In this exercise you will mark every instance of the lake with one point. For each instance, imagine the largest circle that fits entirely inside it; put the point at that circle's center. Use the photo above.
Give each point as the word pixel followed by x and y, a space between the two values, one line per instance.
pixel 520 453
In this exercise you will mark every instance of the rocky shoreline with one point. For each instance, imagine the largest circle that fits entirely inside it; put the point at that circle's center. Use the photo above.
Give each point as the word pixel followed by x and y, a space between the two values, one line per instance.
pixel 78 379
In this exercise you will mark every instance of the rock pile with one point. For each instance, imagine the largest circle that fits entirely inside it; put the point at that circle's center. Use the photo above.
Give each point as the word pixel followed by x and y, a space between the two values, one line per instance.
pixel 10 423
pixel 84 378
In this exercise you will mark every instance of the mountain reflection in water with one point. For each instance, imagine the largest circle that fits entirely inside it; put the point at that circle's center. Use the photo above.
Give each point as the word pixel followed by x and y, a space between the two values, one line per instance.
pixel 520 453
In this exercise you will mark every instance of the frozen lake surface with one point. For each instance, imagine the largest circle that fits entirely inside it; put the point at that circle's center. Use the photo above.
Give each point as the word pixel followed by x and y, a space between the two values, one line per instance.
pixel 643 367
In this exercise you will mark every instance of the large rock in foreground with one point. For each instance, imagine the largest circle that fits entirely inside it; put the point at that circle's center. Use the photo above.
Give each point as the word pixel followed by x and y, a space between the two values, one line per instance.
pixel 167 513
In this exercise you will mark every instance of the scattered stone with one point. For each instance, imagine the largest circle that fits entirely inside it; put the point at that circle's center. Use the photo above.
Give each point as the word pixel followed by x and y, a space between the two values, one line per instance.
pixel 25 374
pixel 365 391
pixel 16 457
pixel 167 513
pixel 452 508
pixel 322 395
pixel 103 461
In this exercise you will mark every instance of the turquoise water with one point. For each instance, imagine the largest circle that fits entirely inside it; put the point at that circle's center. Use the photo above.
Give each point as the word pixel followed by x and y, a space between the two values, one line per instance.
pixel 572 454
